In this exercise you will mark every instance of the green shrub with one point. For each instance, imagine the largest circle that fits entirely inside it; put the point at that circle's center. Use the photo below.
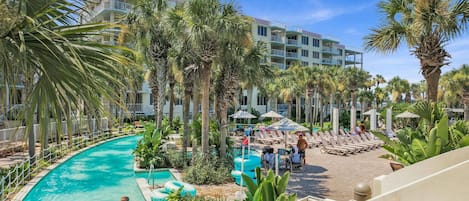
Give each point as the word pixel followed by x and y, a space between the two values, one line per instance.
pixel 175 159
pixel 148 150
pixel 208 170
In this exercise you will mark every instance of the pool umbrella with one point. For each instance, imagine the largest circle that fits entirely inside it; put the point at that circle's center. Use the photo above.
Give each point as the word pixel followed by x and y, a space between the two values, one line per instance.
pixel 242 115
pixel 369 113
pixel 407 114
pixel 272 114
pixel 287 125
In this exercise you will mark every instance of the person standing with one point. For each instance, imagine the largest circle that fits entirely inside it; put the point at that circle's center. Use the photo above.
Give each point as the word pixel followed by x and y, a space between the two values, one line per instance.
pixel 302 145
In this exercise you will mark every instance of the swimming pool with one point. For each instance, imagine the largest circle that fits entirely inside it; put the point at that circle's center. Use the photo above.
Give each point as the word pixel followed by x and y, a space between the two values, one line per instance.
pixel 157 177
pixel 101 173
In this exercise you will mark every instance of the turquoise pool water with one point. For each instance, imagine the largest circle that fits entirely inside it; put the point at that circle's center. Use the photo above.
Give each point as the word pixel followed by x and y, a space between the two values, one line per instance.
pixel 102 173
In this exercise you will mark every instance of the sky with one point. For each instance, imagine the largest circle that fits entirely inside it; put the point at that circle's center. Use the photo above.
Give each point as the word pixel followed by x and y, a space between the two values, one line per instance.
pixel 349 21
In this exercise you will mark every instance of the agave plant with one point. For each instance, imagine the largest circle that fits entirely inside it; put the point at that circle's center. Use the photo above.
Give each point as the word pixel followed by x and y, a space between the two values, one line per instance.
pixel 268 188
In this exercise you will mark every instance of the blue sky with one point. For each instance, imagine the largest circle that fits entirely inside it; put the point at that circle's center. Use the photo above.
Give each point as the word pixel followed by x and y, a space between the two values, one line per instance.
pixel 349 21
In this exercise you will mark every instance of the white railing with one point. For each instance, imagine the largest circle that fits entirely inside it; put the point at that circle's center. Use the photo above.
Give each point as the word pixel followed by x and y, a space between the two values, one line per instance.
pixel 292 54
pixel 135 107
pixel 277 38
pixel 14 178
pixel 278 52
pixel 292 42
pixel 78 126
pixel 331 50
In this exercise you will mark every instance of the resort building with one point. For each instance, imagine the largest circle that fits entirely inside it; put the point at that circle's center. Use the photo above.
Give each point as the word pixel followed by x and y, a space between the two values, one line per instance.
pixel 286 45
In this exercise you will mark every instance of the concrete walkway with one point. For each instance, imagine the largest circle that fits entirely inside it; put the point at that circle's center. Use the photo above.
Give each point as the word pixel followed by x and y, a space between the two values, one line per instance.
pixel 334 177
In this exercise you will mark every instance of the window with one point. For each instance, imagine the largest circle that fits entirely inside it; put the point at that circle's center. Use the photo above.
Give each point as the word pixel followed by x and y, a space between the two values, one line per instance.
pixel 315 42
pixel 178 101
pixel 151 99
pixel 304 63
pixel 243 100
pixel 261 100
pixel 304 40
pixel 304 53
pixel 261 30
pixel 340 52
pixel 134 97
pixel 315 55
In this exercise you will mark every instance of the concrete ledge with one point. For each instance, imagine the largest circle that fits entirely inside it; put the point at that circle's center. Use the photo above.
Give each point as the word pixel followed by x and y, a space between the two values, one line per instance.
pixel 30 185
pixel 144 188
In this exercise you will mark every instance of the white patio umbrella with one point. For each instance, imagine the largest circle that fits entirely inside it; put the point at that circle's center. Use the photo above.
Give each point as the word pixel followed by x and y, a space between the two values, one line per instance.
pixel 272 114
pixel 287 125
pixel 369 113
pixel 407 114
pixel 242 115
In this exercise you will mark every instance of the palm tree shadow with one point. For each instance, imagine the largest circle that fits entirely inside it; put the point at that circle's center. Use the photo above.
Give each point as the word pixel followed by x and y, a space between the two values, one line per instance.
pixel 308 181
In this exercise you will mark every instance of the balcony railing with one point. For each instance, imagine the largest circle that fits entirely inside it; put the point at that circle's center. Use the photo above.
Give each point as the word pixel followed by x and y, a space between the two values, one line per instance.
pixel 331 50
pixel 276 38
pixel 331 62
pixel 135 107
pixel 277 52
pixel 292 54
pixel 292 42
pixel 113 5
pixel 279 65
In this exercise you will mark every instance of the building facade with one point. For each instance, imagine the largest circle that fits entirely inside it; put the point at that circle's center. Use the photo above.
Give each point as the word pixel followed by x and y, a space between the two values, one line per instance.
pixel 286 45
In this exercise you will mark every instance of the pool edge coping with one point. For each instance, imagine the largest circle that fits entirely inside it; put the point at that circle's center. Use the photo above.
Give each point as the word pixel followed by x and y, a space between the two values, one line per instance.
pixel 33 182
pixel 143 185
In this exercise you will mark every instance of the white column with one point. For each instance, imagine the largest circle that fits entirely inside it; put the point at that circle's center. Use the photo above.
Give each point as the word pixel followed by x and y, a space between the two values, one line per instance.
pixel 388 121
pixel 353 119
pixel 335 120
pixel 373 120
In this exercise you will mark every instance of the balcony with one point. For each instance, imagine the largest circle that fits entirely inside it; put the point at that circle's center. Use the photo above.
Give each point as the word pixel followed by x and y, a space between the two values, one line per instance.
pixel 331 62
pixel 330 51
pixel 111 5
pixel 277 39
pixel 279 53
pixel 279 65
pixel 135 107
pixel 292 55
pixel 292 42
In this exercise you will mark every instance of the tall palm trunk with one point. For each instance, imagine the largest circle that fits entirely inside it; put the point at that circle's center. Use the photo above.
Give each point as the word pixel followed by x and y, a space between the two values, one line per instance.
pixel 298 108
pixel 308 106
pixel 249 93
pixel 154 93
pixel 205 107
pixel 316 106
pixel 185 115
pixel 465 101
pixel 172 82
pixel 223 127
pixel 290 103
pixel 162 82
pixel 274 104
pixel 28 87
pixel 195 99
pixel 321 114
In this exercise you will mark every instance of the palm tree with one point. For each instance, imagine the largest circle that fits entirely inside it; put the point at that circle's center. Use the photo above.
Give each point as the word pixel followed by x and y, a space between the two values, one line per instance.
pixel 272 90
pixel 455 86
pixel 59 64
pixel 424 26
pixel 397 87
pixel 416 91
pixel 254 71
pixel 379 79
pixel 356 79
pixel 207 24
pixel 147 22
pixel 295 72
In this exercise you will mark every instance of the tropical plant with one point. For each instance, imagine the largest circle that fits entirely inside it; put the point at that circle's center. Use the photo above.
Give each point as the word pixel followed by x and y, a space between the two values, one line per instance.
pixel 208 169
pixel 149 150
pixel 206 24
pixel 397 87
pixel 425 26
pixel 432 137
pixel 356 79
pixel 267 188
pixel 153 39
pixel 45 47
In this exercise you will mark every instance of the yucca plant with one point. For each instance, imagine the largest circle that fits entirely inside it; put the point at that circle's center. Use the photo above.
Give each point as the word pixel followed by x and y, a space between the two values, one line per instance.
pixel 268 188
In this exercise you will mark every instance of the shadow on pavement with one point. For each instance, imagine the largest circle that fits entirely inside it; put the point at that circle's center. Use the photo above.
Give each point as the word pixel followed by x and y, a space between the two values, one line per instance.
pixel 308 180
